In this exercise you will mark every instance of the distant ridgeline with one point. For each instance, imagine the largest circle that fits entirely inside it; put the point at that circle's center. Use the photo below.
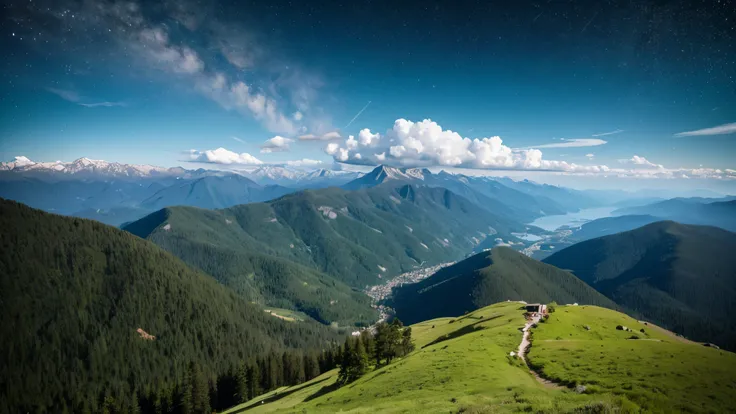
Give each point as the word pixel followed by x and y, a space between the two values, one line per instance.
pixel 94 318
pixel 310 251
pixel 486 278
pixel 682 277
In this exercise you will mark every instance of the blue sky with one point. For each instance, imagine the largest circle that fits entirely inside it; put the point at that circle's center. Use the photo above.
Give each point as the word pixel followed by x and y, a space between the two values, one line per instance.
pixel 142 83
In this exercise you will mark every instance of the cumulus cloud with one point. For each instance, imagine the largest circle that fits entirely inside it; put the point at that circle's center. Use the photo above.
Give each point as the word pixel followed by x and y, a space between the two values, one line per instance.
pixel 572 143
pixel 717 130
pixel 223 156
pixel 425 143
pixel 329 136
pixel 276 144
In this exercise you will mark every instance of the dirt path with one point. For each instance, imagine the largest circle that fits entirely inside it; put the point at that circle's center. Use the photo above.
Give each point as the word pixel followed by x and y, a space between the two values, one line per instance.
pixel 524 346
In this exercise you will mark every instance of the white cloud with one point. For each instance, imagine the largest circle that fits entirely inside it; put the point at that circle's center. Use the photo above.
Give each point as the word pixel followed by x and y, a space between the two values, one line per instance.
pixel 304 162
pixel 572 143
pixel 637 160
pixel 330 136
pixel 331 148
pixel 717 130
pixel 223 156
pixel 618 131
pixel 590 156
pixel 276 144
pixel 425 143
pixel 298 116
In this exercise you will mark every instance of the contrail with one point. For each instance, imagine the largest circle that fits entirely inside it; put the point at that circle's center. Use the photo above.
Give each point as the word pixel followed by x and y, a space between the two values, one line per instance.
pixel 589 22
pixel 357 115
pixel 535 19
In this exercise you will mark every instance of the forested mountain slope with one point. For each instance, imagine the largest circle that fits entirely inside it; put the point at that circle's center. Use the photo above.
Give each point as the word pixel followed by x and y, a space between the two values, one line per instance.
pixel 489 277
pixel 680 276
pixel 73 294
pixel 357 237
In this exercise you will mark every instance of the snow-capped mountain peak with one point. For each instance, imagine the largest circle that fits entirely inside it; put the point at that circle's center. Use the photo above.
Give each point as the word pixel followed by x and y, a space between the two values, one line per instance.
pixel 82 166
pixel 18 162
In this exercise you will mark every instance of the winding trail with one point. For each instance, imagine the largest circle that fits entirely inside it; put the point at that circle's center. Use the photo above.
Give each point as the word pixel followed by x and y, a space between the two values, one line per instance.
pixel 524 347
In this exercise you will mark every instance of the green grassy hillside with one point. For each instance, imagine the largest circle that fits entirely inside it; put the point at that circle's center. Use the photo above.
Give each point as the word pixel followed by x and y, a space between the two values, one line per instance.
pixel 473 371
pixel 682 277
pixel 74 292
pixel 658 371
pixel 490 277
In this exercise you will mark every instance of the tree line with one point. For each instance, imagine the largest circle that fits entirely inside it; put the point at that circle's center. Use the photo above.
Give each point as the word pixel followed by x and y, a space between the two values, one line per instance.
pixel 376 349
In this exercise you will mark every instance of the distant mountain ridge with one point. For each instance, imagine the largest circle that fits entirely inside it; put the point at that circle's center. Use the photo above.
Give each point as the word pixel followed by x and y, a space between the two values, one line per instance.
pixel 86 165
pixel 719 212
pixel 680 276
pixel 357 237
pixel 489 277
pixel 517 201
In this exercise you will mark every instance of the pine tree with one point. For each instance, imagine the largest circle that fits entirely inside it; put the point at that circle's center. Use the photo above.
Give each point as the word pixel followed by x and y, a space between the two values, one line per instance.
pixel 241 384
pixel 254 380
pixel 354 363
pixel 407 344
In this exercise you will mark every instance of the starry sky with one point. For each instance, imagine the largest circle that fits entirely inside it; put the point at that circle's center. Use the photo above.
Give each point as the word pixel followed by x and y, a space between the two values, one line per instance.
pixel 639 88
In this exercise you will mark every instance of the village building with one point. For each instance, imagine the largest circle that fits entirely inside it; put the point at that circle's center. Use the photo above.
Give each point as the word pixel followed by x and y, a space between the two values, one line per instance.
pixel 536 308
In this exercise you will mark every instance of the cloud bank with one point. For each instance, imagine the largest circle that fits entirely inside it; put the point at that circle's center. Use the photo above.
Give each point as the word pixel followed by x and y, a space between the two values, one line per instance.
pixel 329 136
pixel 427 144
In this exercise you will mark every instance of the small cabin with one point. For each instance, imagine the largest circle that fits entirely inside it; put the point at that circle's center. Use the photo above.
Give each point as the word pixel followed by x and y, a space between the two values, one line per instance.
pixel 536 308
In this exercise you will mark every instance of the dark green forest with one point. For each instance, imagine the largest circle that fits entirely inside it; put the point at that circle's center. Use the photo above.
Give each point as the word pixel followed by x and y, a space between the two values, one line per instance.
pixel 487 278
pixel 73 295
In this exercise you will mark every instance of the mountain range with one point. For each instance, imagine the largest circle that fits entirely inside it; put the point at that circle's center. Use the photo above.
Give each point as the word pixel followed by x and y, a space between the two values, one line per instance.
pixel 116 193
pixel 719 212
pixel 519 201
pixel 355 237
